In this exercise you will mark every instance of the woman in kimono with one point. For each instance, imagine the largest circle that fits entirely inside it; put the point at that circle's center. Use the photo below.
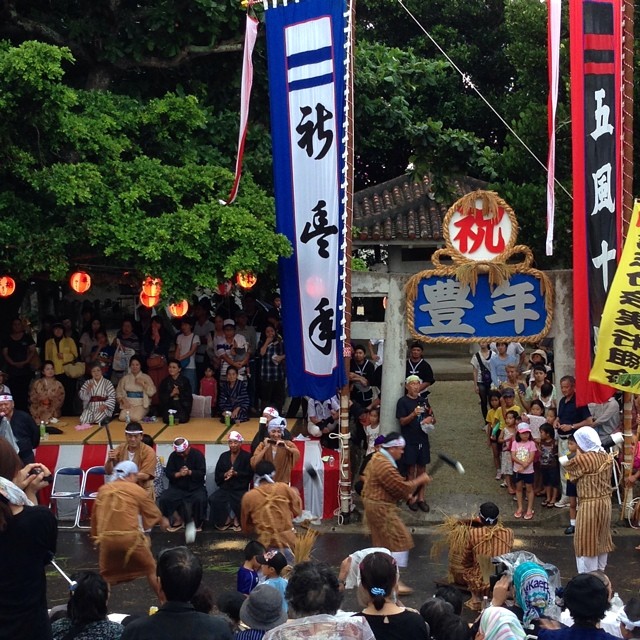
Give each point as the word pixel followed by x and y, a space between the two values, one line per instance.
pixel 175 394
pixel 233 397
pixel 134 392
pixel 47 395
pixel 98 397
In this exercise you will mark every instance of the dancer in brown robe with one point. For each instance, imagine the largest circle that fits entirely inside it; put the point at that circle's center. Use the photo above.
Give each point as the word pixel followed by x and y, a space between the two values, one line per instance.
pixel 125 551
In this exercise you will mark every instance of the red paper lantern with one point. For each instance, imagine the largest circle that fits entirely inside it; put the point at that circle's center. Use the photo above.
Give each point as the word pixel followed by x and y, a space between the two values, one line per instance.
pixel 179 309
pixel 152 287
pixel 246 279
pixel 149 301
pixel 80 281
pixel 224 288
pixel 7 286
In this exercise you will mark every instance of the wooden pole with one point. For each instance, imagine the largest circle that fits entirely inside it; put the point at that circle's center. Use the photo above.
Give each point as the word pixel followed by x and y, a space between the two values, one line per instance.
pixel 627 208
pixel 345 456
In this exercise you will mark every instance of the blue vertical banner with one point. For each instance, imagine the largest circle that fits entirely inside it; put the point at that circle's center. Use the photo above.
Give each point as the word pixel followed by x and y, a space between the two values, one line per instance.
pixel 307 55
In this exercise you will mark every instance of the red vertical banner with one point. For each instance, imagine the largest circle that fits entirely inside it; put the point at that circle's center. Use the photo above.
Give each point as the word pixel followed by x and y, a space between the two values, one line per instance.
pixel 596 84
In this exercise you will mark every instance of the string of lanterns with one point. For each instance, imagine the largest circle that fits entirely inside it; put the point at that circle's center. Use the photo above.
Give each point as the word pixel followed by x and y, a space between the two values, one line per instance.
pixel 80 282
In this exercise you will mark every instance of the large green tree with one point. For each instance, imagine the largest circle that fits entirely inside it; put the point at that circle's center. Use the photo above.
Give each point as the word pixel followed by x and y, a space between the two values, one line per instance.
pixel 103 178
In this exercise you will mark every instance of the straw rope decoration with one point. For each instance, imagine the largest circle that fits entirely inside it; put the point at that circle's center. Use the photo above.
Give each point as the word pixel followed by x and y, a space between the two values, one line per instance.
pixel 466 271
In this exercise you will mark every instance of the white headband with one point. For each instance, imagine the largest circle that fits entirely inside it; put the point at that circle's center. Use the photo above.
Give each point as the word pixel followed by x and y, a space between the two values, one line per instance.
pixel 6 398
pixel 182 447
pixel 629 625
pixel 398 442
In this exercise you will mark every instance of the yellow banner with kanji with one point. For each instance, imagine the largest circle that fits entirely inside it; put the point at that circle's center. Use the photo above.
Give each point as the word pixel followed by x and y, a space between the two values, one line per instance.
pixel 617 361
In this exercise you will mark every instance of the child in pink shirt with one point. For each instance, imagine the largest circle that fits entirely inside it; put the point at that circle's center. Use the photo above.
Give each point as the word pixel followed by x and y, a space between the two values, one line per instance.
pixel 523 451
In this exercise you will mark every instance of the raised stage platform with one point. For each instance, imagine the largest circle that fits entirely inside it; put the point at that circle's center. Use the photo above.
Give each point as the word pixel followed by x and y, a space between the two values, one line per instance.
pixel 89 448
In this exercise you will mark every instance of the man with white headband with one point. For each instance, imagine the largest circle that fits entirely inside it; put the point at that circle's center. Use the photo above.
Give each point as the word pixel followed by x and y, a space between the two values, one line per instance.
pixel 136 451
pixel 590 469
pixel 383 488
pixel 19 428
pixel 121 512
pixel 185 500
pixel 282 453
pixel 232 475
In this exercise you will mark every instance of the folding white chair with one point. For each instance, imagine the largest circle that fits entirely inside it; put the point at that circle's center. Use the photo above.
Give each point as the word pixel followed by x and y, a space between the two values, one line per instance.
pixel 66 488
pixel 93 479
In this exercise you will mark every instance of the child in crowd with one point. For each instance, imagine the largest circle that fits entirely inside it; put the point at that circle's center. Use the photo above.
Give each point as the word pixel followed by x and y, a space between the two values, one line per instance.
pixel 546 395
pixel 209 387
pixel 273 562
pixel 572 492
pixel 247 576
pixel 493 422
pixel 535 418
pixel 551 415
pixel 523 452
pixel 505 439
pixel 549 465
pixel 372 430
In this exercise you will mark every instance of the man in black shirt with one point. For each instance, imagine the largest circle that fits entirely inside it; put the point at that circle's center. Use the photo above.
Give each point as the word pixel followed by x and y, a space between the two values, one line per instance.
pixel 361 377
pixel 570 419
pixel 179 575
pixel 415 417
pixel 418 366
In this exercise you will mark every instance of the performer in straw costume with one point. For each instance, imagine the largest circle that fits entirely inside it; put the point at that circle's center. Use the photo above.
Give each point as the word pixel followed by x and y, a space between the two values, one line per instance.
pixel 125 551
pixel 486 538
pixel 383 488
pixel 590 469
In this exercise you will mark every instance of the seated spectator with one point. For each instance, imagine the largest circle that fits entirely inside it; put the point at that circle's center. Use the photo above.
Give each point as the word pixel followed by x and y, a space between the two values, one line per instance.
pixel 46 396
pixel 87 612
pixel 498 622
pixel 98 397
pixel 247 577
pixel 587 599
pixel 314 595
pixel 229 604
pixel 179 576
pixel 261 611
pixel 451 595
pixel 378 590
pixel 530 590
pixel 175 395
pixel 268 414
pixel 134 392
pixel 630 619
pixel 233 476
pixel 158 478
pixel 204 599
pixel 283 453
pixel 186 495
pixel 233 397
pixel 324 418
pixel 103 353
pixel 439 617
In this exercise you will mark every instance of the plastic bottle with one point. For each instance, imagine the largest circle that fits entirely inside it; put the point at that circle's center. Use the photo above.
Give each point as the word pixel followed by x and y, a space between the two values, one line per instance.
pixel 43 430
pixel 616 603
pixel 127 417
pixel 485 602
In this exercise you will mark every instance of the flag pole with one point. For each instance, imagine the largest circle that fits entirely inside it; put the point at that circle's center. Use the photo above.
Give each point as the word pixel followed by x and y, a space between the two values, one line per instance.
pixel 345 456
pixel 627 208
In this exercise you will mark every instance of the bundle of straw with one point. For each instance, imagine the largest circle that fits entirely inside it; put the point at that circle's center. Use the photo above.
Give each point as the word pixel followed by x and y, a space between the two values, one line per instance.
pixel 453 536
pixel 304 544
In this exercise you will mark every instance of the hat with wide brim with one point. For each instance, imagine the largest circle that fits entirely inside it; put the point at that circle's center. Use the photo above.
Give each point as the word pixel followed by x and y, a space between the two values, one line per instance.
pixel 263 608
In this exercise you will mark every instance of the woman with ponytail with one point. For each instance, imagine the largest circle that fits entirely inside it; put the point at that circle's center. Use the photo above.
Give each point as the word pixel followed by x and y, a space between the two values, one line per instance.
pixel 388 619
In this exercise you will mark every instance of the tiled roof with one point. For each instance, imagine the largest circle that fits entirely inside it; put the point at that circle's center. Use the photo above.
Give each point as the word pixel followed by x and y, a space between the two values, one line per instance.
pixel 402 210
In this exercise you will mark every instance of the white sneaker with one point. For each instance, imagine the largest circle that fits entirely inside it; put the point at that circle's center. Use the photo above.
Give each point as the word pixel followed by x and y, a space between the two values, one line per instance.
pixel 563 502
pixel 498 475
